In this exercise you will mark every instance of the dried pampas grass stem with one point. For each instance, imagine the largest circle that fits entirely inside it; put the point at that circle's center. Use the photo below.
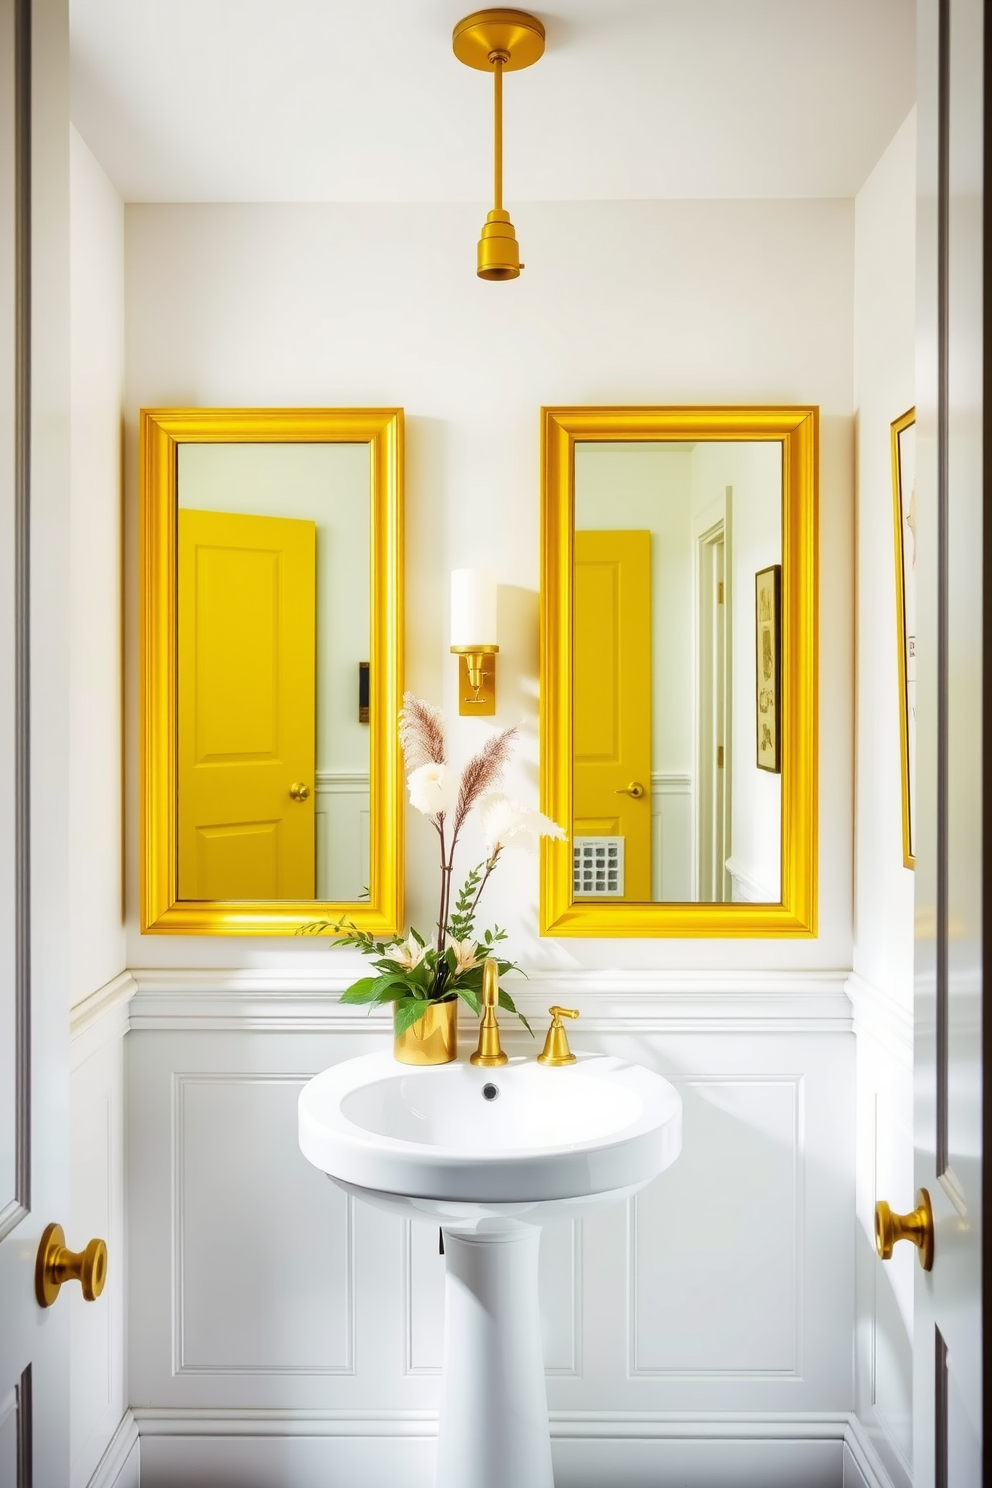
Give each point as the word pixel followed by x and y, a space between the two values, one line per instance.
pixel 422 734
pixel 483 773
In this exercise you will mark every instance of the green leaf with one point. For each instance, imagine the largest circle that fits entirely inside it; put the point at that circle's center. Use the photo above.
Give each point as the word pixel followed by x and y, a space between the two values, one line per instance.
pixel 506 1002
pixel 468 996
pixel 407 1013
pixel 362 991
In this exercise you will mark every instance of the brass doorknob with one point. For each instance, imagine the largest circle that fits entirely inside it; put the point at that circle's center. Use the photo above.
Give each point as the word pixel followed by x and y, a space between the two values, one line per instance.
pixel 635 789
pixel 918 1226
pixel 56 1264
pixel 299 791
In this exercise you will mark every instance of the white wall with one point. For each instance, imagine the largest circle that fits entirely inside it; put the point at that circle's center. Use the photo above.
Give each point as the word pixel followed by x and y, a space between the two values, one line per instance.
pixel 96 929
pixel 885 233
pixel 669 302
pixel 753 472
pixel 97 390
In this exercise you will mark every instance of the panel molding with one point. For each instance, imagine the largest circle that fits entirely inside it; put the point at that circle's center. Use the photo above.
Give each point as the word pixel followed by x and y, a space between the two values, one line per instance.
pixel 636 1371
pixel 652 1001
pixel 181 1080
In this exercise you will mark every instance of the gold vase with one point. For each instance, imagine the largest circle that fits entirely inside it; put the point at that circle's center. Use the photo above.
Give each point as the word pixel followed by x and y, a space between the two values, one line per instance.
pixel 433 1039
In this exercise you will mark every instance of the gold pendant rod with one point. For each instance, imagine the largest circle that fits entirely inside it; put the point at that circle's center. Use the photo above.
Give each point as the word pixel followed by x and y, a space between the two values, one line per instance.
pixel 498 58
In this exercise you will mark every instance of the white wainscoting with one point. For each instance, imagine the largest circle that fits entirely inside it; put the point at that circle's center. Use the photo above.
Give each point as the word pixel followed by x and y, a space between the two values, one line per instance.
pixel 96 1158
pixel 341 825
pixel 673 857
pixel 745 887
pixel 885 1154
pixel 279 1334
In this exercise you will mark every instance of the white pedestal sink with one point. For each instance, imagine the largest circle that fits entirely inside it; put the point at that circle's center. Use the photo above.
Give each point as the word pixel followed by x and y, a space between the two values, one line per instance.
pixel 489 1155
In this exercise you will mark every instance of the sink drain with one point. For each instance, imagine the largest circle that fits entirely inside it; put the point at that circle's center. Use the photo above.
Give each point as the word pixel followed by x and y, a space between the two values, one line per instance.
pixel 490 1092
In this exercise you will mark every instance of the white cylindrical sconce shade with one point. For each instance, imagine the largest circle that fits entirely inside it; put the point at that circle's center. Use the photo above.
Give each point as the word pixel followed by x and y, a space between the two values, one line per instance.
pixel 473 608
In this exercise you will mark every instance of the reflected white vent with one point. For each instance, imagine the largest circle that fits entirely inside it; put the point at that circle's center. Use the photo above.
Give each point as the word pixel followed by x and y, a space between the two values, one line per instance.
pixel 597 867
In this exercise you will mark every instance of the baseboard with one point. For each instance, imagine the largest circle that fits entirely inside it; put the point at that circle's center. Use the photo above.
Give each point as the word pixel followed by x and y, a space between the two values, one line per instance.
pixel 863 1468
pixel 119 1465
pixel 378 1449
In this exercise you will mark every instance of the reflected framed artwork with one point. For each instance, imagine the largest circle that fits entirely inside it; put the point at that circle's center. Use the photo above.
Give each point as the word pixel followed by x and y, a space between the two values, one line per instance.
pixel 904 504
pixel 768 666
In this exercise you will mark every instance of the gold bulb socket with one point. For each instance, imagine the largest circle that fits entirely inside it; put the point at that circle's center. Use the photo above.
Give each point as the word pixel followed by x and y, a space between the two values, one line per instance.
pixel 498 253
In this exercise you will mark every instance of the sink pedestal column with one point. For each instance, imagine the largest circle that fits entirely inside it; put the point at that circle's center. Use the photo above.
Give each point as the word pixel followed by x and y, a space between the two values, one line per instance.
pixel 494 1407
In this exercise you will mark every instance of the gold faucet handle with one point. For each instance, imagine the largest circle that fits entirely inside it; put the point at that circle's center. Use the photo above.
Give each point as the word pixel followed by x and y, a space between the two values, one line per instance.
pixel 556 1050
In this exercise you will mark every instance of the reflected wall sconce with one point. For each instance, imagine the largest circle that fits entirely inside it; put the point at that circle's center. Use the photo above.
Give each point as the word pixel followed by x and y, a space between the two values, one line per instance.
pixel 473 639
pixel 498 41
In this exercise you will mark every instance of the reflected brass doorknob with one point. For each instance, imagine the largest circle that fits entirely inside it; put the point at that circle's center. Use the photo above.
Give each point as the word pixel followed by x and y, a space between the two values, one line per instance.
pixel 918 1226
pixel 56 1264
pixel 635 789
pixel 299 791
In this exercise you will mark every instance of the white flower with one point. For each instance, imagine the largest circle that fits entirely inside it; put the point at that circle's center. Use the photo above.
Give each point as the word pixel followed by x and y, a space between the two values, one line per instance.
pixel 408 953
pixel 433 789
pixel 509 824
pixel 465 955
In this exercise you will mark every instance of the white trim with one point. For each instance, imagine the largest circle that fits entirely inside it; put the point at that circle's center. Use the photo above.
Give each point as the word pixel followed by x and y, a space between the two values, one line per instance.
pixel 866 1459
pixel 670 783
pixel 625 1001
pixel 114 1460
pixel 341 782
pixel 748 886
pixel 877 1015
pixel 104 1000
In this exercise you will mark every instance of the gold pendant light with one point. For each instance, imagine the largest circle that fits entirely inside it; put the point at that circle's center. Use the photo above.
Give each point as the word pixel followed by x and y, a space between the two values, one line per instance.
pixel 498 41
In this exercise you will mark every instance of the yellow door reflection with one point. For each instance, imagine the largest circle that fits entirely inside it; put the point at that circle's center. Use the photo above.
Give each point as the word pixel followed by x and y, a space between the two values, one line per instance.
pixel 612 697
pixel 246 654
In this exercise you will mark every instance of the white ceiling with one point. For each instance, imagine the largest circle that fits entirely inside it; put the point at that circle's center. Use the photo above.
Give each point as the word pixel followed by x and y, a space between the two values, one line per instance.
pixel 363 100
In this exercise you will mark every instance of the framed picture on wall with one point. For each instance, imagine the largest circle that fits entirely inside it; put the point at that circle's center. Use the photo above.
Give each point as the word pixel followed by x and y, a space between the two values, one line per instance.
pixel 904 493
pixel 768 670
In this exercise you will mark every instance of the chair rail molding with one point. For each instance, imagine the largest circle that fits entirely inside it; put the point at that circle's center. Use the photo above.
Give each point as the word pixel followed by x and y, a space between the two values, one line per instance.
pixel 656 1001
pixel 878 1015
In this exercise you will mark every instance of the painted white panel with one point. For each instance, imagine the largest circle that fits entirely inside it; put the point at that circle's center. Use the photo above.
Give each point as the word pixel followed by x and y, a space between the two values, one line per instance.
pixel 92 1332
pixel 237 1181
pixel 715 1242
pixel 672 855
pixel 8 1440
pixel 892 1341
pixel 341 811
pixel 286 1462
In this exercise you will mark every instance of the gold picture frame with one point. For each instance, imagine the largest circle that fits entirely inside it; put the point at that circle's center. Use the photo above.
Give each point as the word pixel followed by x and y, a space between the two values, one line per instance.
pixel 162 432
pixel 903 441
pixel 797 430
pixel 768 668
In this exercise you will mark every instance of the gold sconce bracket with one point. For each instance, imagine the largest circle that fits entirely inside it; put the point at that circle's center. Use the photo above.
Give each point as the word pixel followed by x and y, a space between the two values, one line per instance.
pixel 476 680
pixel 56 1265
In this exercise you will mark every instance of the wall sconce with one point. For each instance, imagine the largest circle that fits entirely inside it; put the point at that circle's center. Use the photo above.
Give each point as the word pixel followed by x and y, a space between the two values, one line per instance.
pixel 498 41
pixel 473 639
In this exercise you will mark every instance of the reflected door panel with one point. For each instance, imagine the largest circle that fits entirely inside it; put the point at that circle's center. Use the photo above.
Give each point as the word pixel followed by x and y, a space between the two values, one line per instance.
pixel 612 721
pixel 247 703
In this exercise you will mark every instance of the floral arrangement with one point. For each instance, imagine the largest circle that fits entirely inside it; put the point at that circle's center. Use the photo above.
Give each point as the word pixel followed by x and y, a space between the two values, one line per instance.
pixel 416 971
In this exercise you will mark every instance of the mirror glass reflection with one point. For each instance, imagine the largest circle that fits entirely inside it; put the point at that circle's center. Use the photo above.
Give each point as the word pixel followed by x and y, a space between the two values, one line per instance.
pixel 676 666
pixel 273 635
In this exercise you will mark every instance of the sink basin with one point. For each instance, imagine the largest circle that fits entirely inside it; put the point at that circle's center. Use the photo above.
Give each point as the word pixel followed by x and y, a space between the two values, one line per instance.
pixel 490 1154
pixel 523 1134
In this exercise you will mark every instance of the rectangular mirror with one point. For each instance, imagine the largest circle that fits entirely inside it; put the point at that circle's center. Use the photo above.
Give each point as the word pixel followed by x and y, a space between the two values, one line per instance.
pixel 679 671
pixel 271 669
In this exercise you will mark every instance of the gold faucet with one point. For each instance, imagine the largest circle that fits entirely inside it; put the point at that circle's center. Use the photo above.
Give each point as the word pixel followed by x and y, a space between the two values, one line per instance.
pixel 556 1050
pixel 489 1053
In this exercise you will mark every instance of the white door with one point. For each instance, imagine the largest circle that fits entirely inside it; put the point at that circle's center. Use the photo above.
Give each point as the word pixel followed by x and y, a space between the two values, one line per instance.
pixel 33 734
pixel 947 1348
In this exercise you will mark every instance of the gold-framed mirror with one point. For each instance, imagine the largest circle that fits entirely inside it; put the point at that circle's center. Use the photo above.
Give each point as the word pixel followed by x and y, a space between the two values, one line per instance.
pixel 679 671
pixel 271 662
